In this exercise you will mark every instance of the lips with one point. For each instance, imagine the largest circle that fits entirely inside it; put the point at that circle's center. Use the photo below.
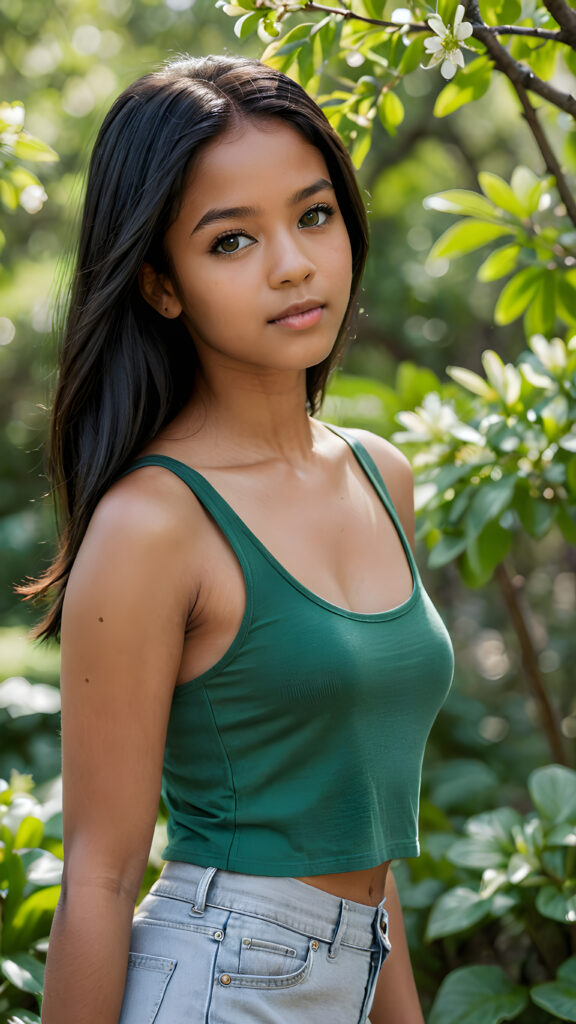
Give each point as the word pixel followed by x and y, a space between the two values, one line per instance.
pixel 299 314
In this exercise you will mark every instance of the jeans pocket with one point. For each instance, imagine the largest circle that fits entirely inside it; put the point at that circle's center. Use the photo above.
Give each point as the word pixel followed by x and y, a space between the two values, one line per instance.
pixel 146 982
pixel 269 979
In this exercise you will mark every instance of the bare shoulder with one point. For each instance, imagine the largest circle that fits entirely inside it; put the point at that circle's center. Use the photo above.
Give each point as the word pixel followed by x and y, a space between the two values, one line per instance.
pixel 148 507
pixel 145 529
pixel 396 472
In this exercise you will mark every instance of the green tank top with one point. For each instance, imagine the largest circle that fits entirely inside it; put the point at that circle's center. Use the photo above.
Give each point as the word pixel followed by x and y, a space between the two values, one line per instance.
pixel 300 751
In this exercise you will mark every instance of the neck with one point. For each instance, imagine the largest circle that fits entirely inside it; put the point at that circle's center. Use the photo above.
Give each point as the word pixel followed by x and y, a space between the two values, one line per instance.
pixel 250 416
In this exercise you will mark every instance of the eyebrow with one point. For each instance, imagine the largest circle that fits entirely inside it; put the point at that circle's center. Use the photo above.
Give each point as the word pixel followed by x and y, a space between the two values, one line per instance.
pixel 215 215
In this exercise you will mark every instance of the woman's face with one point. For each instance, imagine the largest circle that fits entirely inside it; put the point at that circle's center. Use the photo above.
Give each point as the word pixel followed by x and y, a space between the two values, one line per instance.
pixel 260 254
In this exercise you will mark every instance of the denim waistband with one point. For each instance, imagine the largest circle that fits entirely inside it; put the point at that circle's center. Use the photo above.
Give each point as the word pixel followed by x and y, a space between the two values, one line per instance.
pixel 286 901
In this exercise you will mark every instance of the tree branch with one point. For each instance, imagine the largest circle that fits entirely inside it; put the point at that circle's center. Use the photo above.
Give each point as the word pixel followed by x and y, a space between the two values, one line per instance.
pixel 564 35
pixel 518 73
pixel 564 15
pixel 547 152
pixel 530 663
pixel 523 78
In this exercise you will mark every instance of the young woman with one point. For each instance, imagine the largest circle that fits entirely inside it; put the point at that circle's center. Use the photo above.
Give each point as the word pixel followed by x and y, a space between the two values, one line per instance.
pixel 242 621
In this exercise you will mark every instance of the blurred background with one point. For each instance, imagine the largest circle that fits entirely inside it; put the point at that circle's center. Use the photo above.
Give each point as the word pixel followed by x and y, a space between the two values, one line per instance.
pixel 66 60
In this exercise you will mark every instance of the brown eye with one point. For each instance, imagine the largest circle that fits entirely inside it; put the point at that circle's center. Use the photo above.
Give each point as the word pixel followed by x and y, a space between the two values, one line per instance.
pixel 229 244
pixel 316 216
pixel 311 218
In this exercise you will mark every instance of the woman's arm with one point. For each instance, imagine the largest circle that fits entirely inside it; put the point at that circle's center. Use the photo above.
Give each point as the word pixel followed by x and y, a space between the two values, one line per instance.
pixel 123 626
pixel 396 999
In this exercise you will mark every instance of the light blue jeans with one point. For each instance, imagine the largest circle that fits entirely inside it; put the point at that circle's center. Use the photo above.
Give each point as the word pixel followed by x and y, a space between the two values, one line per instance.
pixel 217 947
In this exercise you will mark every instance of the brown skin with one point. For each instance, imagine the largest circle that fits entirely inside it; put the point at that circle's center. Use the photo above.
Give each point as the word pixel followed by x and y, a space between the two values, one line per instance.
pixel 156 594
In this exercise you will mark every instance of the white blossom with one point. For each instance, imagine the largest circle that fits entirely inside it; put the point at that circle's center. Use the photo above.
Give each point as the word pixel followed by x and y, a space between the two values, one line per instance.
pixel 444 47
pixel 32 198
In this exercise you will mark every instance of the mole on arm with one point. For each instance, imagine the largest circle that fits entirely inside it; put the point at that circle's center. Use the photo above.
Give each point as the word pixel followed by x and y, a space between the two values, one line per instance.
pixel 100 619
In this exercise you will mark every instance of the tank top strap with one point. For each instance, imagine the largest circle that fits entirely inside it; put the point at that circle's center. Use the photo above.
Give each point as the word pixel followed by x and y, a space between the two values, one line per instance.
pixel 219 509
pixel 375 476
pixel 365 460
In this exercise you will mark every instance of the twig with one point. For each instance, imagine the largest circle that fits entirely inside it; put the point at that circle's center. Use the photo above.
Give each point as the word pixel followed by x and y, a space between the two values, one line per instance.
pixel 518 73
pixel 547 152
pixel 530 662
pixel 555 35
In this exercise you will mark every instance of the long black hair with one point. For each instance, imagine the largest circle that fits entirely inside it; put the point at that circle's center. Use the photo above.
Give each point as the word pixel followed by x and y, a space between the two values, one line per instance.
pixel 125 370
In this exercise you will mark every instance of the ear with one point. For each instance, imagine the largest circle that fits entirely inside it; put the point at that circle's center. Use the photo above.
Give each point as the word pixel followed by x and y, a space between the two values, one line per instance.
pixel 158 291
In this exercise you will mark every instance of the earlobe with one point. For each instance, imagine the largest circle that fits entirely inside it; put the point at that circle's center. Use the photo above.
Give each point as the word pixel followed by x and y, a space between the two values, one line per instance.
pixel 158 292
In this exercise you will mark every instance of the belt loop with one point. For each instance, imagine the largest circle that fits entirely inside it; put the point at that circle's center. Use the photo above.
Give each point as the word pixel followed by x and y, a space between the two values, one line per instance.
pixel 339 931
pixel 198 905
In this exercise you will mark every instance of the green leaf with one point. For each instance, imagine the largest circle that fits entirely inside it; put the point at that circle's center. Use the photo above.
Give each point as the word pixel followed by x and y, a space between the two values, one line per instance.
pixel 462 201
pixel 30 832
pixel 499 263
pixel 540 317
pixel 490 840
pixel 446 550
pixel 282 51
pixel 553 792
pixel 23 971
pixel 484 553
pixel 536 514
pixel 247 24
pixel 477 853
pixel 456 911
pixel 517 294
pixel 361 146
pixel 562 835
pixel 566 299
pixel 20 1016
pixel 390 111
pixel 468 235
pixel 500 193
pixel 29 148
pixel 470 84
pixel 559 906
pixel 32 919
pixel 528 188
pixel 543 59
pixel 510 11
pixel 559 997
pixel 477 995
pixel 490 500
pixel 413 56
pixel 15 880
pixel 9 194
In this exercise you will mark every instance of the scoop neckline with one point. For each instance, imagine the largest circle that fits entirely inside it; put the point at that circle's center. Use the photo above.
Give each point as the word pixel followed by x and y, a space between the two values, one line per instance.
pixel 388 613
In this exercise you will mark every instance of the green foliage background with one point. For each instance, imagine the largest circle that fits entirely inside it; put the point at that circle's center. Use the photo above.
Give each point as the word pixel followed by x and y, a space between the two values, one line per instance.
pixel 486 539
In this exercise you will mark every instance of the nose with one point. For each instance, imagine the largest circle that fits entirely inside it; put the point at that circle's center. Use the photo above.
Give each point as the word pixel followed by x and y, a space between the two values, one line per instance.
pixel 290 261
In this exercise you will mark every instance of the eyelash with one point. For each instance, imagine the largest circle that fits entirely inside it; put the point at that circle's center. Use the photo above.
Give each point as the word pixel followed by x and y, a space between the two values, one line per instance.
pixel 320 207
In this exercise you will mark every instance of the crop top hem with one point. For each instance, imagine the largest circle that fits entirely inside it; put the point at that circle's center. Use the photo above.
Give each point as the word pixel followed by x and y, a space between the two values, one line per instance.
pixel 291 868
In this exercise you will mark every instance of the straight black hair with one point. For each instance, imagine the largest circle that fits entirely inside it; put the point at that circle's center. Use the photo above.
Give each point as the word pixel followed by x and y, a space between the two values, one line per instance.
pixel 125 370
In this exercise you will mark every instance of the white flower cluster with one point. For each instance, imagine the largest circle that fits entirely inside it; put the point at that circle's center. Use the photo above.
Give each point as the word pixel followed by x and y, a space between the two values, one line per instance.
pixel 444 47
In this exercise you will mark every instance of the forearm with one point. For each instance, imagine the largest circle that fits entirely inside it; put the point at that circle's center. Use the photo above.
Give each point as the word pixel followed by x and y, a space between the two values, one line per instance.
pixel 396 999
pixel 87 958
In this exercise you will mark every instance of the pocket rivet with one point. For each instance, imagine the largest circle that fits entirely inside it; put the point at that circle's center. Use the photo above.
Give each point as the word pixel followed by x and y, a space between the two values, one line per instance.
pixel 218 935
pixel 225 979
pixel 314 944
pixel 246 942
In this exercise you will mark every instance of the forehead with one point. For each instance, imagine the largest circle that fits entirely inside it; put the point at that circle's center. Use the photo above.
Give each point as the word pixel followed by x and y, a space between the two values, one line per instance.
pixel 253 161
